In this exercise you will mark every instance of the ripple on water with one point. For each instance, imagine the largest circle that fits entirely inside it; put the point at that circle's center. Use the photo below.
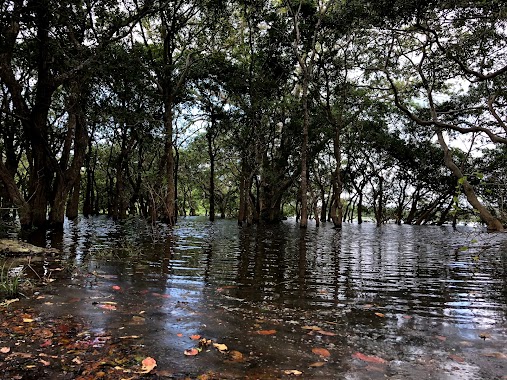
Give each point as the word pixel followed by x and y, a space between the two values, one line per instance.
pixel 416 270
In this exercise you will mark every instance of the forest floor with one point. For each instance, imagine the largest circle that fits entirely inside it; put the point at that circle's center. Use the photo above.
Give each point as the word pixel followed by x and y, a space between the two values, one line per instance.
pixel 40 345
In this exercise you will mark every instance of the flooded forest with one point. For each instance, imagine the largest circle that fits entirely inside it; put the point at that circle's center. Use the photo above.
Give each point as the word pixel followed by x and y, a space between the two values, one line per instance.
pixel 259 189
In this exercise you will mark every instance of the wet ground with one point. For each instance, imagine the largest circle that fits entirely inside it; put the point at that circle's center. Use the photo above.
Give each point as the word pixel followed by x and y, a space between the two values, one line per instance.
pixel 397 302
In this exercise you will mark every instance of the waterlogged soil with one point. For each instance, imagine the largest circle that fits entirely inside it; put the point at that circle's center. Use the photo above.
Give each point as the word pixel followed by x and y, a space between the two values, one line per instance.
pixel 214 301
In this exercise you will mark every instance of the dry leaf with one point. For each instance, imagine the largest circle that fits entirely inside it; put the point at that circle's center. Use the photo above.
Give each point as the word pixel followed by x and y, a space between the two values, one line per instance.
pixel 317 364
pixel 313 328
pixel 195 337
pixel 456 358
pixel 77 360
pixel 148 364
pixel 369 359
pixel 235 356
pixel 116 287
pixel 498 355
pixel 294 372
pixel 44 362
pixel 220 347
pixel 5 350
pixel 27 320
pixel 179 335
pixel 327 333
pixel 381 315
pixel 321 351
pixel 191 352
pixel 266 332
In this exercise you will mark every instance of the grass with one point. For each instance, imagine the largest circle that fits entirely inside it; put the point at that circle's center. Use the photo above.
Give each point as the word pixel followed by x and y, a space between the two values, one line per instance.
pixel 9 281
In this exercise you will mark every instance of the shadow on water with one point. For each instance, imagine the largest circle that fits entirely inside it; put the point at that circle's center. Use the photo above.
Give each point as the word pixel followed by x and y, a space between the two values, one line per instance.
pixel 418 297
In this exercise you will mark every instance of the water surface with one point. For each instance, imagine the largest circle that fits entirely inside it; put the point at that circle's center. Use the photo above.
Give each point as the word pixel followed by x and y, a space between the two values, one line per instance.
pixel 417 296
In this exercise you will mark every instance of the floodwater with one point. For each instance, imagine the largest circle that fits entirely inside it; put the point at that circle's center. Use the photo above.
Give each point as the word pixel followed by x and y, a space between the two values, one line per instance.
pixel 430 301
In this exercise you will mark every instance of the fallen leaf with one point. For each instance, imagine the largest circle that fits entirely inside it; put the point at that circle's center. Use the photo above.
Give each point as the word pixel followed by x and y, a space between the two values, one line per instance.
pixel 116 287
pixel 47 343
pixel 456 358
pixel 498 355
pixel 220 347
pixel 321 351
pixel 148 364
pixel 205 342
pixel 191 352
pixel 407 317
pixel 107 306
pixel 195 337
pixel 317 364
pixel 484 335
pixel 312 328
pixel 235 356
pixel 5 350
pixel 44 362
pixel 27 320
pixel 179 335
pixel 266 332
pixel 8 302
pixel 77 360
pixel 294 372
pixel 369 359
pixel 43 355
pixel 327 333
pixel 381 315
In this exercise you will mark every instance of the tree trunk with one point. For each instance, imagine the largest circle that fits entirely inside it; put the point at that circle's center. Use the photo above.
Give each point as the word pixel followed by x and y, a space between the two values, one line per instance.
pixel 491 222
pixel 170 201
pixel 337 207
pixel 304 152
pixel 211 154
pixel 73 203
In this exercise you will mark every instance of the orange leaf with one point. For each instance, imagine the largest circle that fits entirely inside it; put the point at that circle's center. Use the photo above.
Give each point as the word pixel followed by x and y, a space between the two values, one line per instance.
pixel 191 352
pixel 317 364
pixel 116 287
pixel 369 359
pixel 195 337
pixel 148 364
pixel 179 334
pixel 380 315
pixel 266 332
pixel 321 351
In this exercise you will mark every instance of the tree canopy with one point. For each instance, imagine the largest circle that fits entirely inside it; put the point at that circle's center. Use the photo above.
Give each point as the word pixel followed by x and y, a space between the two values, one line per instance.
pixel 327 110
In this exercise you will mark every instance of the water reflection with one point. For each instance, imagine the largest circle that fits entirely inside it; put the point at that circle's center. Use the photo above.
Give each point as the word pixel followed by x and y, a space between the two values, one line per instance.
pixel 402 269
pixel 373 284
